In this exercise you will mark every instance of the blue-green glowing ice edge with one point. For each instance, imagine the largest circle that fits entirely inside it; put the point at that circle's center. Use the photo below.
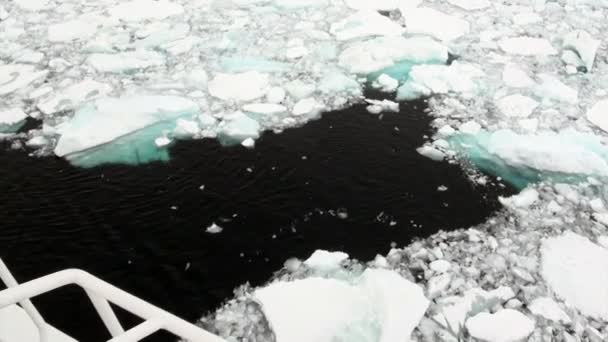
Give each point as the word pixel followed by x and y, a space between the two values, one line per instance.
pixel 520 159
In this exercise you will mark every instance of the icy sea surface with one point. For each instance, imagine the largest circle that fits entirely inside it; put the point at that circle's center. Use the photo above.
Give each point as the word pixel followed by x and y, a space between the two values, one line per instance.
pixel 350 181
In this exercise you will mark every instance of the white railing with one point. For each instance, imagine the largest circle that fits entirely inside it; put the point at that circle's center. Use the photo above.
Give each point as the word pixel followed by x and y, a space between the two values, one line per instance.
pixel 101 295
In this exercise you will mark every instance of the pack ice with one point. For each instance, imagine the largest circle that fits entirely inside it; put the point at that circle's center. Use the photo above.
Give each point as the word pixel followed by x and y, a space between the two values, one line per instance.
pixel 242 67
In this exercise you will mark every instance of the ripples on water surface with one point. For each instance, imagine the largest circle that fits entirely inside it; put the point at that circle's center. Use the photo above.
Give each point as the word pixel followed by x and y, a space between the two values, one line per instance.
pixel 143 228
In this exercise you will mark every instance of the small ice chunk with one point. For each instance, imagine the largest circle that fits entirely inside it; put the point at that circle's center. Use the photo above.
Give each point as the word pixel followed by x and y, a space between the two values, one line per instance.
pixel 429 21
pixel 246 86
pixel 576 270
pixel 264 108
pixel 377 106
pixel 125 61
pixel 526 18
pixel 504 326
pixel 431 153
pixel 470 127
pixel 440 266
pixel 299 89
pixel 162 141
pixel 305 106
pixel 248 143
pixel 551 88
pixel 31 5
pixel 386 83
pixel 324 261
pixel 428 79
pixel 515 77
pixel 598 114
pixel 516 105
pixel 70 30
pixel 214 229
pixel 275 95
pixel 527 46
pixel 549 309
pixel 11 119
pixel 523 200
pixel 239 127
pixel 446 130
pixel 186 128
pixel 365 23
pixel 139 10
pixel 16 76
pixel 470 5
pixel 584 45
pixel 455 310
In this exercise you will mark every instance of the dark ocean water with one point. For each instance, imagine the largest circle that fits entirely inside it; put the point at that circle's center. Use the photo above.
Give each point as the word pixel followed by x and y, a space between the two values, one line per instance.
pixel 143 228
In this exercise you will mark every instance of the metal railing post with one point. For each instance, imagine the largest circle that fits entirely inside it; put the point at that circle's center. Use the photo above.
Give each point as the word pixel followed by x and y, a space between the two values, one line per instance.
pixel 107 315
pixel 7 277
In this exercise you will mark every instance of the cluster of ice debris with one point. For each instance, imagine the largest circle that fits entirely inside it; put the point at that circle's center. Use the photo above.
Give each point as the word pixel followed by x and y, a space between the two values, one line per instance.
pixel 517 88
pixel 538 271
pixel 139 74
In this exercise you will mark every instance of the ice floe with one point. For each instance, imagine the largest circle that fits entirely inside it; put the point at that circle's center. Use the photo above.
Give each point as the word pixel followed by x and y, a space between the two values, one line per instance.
pixel 577 270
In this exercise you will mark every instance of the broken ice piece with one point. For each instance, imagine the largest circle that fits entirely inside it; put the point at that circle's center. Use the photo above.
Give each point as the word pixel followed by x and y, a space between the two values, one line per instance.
pixel 162 141
pixel 11 120
pixel 214 229
pixel 248 143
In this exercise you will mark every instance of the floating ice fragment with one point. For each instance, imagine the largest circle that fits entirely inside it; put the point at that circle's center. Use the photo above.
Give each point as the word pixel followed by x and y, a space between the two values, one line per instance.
pixel 515 77
pixel 305 106
pixel 71 30
pixel 429 21
pixel 516 105
pixel 162 141
pixel 523 200
pixel 264 108
pixel 425 80
pixel 524 158
pixel 214 229
pixel 324 261
pixel 551 88
pixel 237 127
pixel 598 114
pixel 549 309
pixel 246 86
pixel 365 23
pixel 11 120
pixel 16 76
pixel 431 153
pixel 504 326
pixel 31 5
pixel 527 46
pixel 470 127
pixel 576 269
pixel 248 143
pixel 377 106
pixel 379 305
pixel 584 45
pixel 386 83
pixel 107 119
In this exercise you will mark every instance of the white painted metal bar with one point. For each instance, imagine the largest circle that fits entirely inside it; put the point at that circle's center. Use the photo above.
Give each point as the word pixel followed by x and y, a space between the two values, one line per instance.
pixel 7 277
pixel 106 314
pixel 139 332
pixel 138 307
